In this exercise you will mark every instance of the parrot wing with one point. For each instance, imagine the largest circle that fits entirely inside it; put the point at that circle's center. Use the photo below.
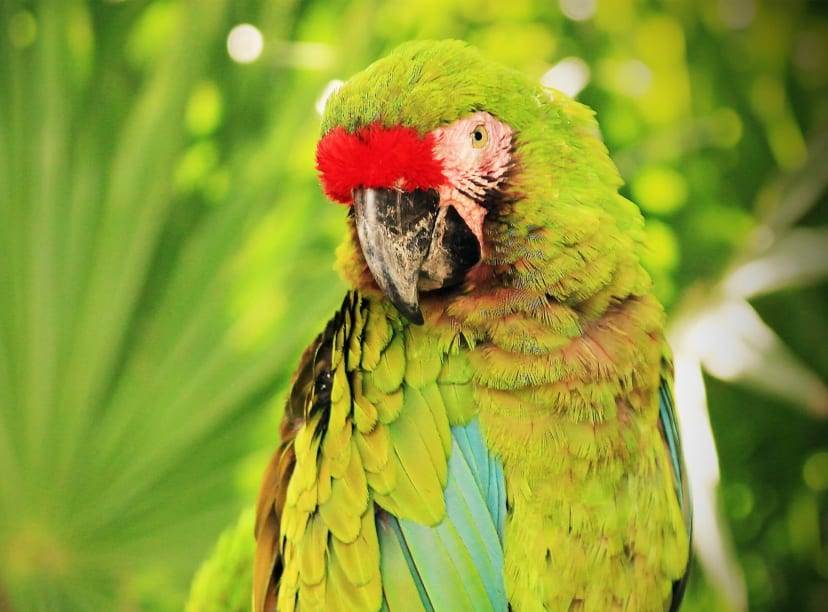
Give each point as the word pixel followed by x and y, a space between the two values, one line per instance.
pixel 668 425
pixel 458 564
pixel 382 493
pixel 267 563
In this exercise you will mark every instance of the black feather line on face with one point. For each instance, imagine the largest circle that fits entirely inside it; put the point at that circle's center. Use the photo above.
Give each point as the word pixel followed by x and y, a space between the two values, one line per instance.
pixel 493 198
pixel 468 194
pixel 494 193
pixel 497 199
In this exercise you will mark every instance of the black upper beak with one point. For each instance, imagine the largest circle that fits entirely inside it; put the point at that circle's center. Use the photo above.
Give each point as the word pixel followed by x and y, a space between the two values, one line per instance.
pixel 395 231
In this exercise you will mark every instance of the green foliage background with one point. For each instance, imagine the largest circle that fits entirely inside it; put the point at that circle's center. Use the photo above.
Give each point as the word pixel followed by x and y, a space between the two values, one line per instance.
pixel 166 253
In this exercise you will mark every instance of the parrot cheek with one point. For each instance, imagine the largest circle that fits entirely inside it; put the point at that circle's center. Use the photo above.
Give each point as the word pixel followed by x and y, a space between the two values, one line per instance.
pixel 453 251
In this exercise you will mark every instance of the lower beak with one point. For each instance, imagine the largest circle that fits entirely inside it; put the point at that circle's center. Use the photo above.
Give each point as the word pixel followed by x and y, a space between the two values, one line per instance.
pixel 395 229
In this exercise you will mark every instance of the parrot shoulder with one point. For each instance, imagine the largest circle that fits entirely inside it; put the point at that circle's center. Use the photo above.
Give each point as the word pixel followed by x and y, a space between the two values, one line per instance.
pixel 267 566
pixel 378 446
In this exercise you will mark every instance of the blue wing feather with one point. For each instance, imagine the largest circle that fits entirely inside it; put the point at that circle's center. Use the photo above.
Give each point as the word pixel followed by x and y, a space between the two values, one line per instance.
pixel 669 428
pixel 402 585
pixel 487 471
pixel 458 563
pixel 455 562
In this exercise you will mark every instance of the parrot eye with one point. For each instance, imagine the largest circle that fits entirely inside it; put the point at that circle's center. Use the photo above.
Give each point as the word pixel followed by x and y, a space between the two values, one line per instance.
pixel 479 137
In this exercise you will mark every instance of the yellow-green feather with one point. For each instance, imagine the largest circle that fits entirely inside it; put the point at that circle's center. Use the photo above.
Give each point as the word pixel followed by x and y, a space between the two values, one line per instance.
pixel 383 444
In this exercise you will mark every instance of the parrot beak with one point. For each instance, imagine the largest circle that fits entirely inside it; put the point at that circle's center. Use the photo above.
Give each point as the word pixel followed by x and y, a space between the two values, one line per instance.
pixel 395 231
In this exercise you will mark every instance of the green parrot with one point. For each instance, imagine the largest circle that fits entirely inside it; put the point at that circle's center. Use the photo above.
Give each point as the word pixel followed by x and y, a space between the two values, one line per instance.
pixel 486 423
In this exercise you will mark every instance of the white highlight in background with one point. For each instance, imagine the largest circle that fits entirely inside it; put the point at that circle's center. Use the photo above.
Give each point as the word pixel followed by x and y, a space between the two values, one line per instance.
pixel 578 10
pixel 570 75
pixel 245 43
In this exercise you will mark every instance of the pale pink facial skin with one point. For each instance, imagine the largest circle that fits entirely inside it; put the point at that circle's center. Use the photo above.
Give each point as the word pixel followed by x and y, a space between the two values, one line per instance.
pixel 472 170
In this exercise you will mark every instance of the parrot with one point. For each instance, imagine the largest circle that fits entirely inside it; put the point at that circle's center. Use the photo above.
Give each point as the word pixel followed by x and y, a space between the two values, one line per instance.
pixel 487 422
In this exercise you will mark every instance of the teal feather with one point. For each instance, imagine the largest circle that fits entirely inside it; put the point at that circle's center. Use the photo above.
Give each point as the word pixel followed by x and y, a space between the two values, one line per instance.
pixel 402 584
pixel 669 428
pixel 447 568
pixel 458 563
pixel 466 509
pixel 487 472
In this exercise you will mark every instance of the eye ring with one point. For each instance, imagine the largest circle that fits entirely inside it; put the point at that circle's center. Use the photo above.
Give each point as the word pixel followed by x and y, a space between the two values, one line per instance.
pixel 479 136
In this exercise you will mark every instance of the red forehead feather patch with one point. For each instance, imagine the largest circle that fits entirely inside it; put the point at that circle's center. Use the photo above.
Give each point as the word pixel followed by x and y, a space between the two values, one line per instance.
pixel 376 157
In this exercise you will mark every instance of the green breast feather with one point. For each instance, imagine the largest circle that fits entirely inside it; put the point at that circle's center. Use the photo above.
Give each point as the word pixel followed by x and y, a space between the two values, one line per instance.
pixel 487 422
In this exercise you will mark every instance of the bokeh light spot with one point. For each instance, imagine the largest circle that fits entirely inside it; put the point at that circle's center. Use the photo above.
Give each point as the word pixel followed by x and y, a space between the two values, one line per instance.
pixel 204 109
pixel 815 471
pixel 787 143
pixel 195 165
pixel 737 14
pixel 620 123
pixel 22 29
pixel 245 43
pixel 616 16
pixel 811 50
pixel 802 534
pixel 739 500
pixel 570 76
pixel 662 246
pixel 767 96
pixel 727 128
pixel 758 577
pixel 660 41
pixel 634 78
pixel 659 189
pixel 150 37
pixel 578 10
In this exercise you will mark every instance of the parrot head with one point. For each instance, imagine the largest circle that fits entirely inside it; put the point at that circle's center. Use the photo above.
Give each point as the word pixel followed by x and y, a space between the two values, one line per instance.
pixel 434 148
